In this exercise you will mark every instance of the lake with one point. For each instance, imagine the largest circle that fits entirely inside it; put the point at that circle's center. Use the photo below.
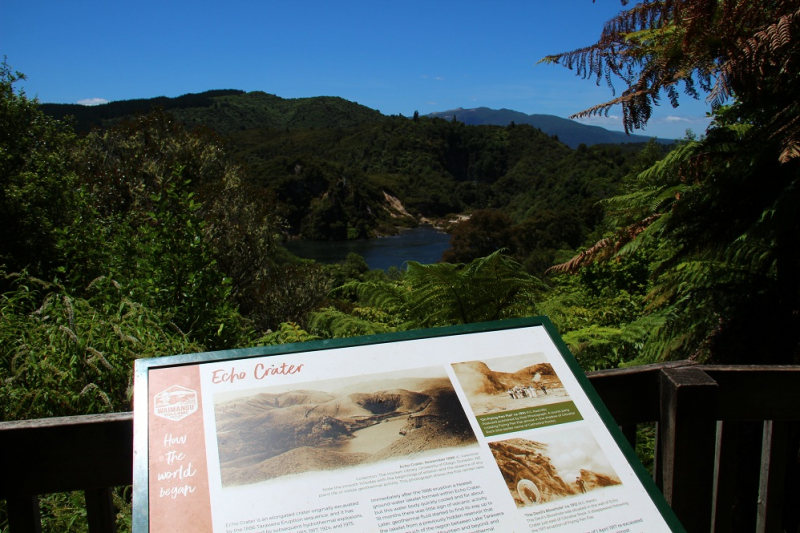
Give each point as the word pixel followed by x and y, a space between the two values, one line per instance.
pixel 373 439
pixel 423 244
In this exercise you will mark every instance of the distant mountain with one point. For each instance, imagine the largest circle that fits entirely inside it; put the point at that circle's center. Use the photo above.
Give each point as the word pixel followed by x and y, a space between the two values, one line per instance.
pixel 569 132
pixel 89 117
pixel 227 111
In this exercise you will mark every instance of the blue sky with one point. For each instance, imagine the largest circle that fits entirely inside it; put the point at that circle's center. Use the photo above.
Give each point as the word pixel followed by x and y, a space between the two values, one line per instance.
pixel 396 57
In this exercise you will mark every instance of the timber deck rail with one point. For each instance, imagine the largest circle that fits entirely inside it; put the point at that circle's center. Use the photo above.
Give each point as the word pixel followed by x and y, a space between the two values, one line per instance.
pixel 726 447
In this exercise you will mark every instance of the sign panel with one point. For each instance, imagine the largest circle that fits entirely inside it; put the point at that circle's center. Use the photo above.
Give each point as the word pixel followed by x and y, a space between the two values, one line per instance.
pixel 488 427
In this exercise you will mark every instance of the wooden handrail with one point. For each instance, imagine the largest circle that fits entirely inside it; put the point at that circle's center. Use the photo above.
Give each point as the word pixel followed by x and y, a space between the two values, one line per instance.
pixel 704 415
pixel 92 453
pixel 67 453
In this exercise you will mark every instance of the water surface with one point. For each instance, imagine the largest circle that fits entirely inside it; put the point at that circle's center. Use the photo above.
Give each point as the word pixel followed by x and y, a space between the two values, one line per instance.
pixel 423 244
pixel 374 438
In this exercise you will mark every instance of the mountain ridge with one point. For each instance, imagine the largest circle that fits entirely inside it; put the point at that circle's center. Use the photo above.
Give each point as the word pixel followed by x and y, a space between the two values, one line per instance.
pixel 227 111
pixel 570 132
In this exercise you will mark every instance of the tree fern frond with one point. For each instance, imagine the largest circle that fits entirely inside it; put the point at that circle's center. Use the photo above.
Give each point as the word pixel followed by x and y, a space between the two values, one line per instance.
pixel 641 234
pixel 437 295
pixel 331 323
pixel 583 258
pixel 388 295
pixel 791 150
pixel 488 288
pixel 500 288
pixel 603 248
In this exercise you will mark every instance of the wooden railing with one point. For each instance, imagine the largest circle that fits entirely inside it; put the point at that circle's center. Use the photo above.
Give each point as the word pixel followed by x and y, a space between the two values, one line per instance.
pixel 726 447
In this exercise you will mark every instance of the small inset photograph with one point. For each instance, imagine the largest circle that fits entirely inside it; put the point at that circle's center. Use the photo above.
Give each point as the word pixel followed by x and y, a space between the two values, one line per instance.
pixel 280 431
pixel 509 383
pixel 558 465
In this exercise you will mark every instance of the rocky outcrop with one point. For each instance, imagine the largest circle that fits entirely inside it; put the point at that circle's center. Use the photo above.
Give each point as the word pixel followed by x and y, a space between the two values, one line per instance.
pixel 532 478
pixel 528 472
pixel 593 480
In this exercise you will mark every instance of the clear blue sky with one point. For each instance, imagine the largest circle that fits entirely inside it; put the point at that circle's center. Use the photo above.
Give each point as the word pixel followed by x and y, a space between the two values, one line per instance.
pixel 396 57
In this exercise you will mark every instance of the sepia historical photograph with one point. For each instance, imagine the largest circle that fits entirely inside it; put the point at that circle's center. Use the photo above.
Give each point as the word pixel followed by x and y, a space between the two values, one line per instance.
pixel 509 383
pixel 557 465
pixel 267 433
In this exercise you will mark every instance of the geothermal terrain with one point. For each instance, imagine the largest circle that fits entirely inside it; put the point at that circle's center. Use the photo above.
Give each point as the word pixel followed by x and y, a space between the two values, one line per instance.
pixel 266 435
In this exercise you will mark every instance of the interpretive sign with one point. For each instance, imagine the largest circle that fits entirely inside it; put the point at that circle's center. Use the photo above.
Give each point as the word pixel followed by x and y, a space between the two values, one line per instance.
pixel 486 427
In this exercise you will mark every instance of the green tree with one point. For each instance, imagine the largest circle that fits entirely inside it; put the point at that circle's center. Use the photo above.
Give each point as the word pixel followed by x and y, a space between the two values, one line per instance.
pixel 63 354
pixel 598 311
pixel 744 49
pixel 483 233
pixel 717 217
pixel 142 224
pixel 36 185
pixel 243 224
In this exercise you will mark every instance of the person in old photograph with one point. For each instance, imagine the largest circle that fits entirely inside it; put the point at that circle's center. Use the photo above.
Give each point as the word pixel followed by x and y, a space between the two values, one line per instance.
pixel 509 383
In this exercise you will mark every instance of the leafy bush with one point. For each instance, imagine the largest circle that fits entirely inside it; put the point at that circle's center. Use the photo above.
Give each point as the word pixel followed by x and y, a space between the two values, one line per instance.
pixel 64 355
pixel 36 185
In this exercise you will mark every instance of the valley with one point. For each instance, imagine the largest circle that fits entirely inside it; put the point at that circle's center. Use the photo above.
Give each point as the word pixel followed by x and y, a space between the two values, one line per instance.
pixel 334 170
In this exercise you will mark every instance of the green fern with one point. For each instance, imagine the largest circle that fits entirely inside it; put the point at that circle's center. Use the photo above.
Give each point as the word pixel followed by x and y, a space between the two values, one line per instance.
pixel 488 288
pixel 287 333
pixel 335 324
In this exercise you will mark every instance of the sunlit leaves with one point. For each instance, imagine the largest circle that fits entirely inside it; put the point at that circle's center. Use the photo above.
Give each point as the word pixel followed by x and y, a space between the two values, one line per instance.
pixel 489 288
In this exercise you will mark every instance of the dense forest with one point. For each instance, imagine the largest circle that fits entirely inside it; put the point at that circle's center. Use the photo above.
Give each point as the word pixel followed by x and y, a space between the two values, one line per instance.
pixel 341 171
pixel 132 231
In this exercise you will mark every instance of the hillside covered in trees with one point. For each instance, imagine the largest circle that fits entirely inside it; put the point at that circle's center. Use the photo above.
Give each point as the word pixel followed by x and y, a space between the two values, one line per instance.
pixel 176 233
pixel 342 171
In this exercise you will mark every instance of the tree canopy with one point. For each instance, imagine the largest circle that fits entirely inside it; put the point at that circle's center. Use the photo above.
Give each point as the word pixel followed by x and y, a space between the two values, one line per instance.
pixel 717 218
pixel 36 184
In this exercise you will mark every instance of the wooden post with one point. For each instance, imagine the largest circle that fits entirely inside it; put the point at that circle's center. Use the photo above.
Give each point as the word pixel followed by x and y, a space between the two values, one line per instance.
pixel 23 515
pixel 629 431
pixel 724 477
pixel 687 432
pixel 736 474
pixel 773 477
pixel 658 461
pixel 100 511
